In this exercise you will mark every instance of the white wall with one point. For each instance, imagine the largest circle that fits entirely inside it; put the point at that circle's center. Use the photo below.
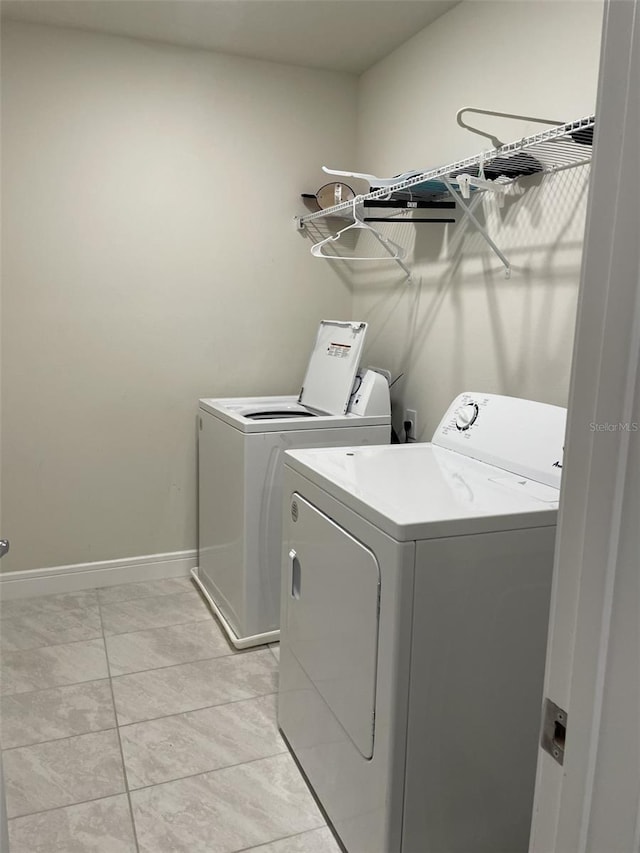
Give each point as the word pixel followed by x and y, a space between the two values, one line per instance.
pixel 462 325
pixel 149 258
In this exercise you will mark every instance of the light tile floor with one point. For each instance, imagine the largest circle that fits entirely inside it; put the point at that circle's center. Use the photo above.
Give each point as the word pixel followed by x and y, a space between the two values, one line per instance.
pixel 129 723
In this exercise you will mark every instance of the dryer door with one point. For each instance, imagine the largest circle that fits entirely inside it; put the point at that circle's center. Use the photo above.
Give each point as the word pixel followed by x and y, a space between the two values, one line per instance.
pixel 333 593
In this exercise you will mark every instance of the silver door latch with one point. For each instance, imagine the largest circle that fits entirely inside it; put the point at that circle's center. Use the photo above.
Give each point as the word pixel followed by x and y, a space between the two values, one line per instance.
pixel 554 730
pixel 4 547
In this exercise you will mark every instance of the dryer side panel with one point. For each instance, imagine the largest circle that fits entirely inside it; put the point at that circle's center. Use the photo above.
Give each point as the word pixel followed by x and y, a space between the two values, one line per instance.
pixel 481 612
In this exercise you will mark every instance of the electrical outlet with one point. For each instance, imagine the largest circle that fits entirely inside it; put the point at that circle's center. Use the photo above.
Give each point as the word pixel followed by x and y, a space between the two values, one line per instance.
pixel 411 424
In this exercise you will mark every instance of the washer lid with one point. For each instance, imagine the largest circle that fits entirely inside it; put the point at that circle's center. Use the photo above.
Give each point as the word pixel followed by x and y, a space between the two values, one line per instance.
pixel 332 367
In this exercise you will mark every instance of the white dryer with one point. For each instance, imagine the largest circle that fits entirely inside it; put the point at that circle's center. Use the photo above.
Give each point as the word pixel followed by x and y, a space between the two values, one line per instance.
pixel 415 602
pixel 240 447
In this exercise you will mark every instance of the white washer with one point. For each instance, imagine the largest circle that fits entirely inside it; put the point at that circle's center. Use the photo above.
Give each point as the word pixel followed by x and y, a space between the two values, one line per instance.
pixel 414 624
pixel 240 447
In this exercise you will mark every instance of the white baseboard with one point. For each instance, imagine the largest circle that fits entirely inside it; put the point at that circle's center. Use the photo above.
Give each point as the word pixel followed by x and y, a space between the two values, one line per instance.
pixel 59 579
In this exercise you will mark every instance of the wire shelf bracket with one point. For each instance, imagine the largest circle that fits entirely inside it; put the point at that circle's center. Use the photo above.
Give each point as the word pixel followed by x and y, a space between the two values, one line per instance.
pixel 469 214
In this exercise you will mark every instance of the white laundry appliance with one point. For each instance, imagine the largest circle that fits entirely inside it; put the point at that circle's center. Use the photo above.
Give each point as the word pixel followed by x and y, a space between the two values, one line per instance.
pixel 415 598
pixel 240 448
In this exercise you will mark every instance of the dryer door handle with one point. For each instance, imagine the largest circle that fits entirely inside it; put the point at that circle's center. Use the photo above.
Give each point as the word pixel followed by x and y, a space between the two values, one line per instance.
pixel 294 573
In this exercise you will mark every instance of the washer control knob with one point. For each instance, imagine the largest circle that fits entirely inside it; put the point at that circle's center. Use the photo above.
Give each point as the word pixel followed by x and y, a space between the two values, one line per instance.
pixel 466 416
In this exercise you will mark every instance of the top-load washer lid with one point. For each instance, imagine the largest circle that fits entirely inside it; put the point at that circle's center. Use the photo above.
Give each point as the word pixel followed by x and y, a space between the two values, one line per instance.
pixel 332 367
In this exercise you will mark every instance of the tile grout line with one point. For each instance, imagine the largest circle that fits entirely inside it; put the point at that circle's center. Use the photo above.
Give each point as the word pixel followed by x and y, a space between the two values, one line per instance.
pixel 325 825
pixel 186 589
pixel 285 751
pixel 55 687
pixel 53 611
pixel 186 663
pixel 103 639
pixel 155 627
pixel 192 593
pixel 98 605
pixel 68 806
pixel 102 634
pixel 169 665
pixel 53 645
pixel 118 725
pixel 61 739
pixel 195 710
pixel 166 782
pixel 59 612
pixel 88 608
pixel 115 714
pixel 140 597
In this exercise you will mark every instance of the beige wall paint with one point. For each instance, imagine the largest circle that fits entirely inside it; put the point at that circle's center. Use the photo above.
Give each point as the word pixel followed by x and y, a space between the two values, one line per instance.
pixel 462 325
pixel 145 262
pixel 149 258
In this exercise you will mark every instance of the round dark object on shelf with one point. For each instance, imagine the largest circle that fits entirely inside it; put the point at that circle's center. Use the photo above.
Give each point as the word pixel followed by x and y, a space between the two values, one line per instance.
pixel 334 193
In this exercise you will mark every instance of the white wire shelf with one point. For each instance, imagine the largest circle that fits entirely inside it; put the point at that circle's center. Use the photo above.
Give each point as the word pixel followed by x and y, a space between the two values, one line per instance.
pixel 563 147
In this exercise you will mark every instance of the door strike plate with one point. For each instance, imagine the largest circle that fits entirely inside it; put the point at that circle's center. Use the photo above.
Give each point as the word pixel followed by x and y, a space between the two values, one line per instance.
pixel 554 730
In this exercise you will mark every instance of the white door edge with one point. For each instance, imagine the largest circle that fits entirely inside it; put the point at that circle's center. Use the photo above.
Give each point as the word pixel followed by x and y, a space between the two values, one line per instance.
pixel 588 654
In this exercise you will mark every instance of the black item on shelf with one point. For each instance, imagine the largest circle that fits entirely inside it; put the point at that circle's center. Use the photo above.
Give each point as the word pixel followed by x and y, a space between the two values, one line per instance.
pixel 583 137
pixel 428 193
pixel 406 203
pixel 413 219
pixel 395 202
pixel 505 167
pixel 512 167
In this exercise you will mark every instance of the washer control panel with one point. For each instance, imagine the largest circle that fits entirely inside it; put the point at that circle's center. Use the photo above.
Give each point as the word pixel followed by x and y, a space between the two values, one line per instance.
pixel 521 436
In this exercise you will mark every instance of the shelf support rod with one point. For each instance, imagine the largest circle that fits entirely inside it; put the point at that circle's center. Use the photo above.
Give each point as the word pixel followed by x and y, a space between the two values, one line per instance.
pixel 406 269
pixel 468 213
